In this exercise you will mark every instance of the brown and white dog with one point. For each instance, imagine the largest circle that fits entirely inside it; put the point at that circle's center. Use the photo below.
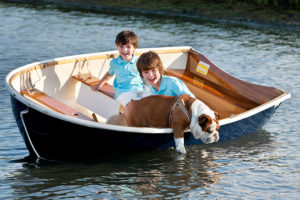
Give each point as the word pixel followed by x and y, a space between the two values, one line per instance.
pixel 178 113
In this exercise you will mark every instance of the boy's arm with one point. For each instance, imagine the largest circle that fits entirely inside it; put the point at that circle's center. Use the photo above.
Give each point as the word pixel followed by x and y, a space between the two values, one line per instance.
pixel 104 79
pixel 181 88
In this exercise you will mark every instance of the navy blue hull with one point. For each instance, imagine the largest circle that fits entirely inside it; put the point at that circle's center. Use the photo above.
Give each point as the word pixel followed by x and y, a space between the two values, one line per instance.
pixel 241 127
pixel 56 139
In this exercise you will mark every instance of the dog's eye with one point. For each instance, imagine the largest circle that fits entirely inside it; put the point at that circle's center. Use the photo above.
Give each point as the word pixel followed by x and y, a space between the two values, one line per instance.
pixel 210 131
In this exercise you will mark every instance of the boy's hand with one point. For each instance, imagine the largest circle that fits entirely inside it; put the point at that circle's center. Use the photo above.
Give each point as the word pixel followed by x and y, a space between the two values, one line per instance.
pixel 96 87
pixel 104 79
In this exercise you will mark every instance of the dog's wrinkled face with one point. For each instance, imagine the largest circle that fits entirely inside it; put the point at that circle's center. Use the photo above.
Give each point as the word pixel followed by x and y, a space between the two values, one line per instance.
pixel 204 123
pixel 210 127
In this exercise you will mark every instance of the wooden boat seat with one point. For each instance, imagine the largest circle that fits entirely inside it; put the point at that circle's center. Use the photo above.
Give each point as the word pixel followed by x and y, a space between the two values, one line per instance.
pixel 53 103
pixel 106 89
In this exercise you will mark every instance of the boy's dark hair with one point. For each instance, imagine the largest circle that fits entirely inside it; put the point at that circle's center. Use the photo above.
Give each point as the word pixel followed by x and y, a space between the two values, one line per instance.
pixel 148 61
pixel 127 37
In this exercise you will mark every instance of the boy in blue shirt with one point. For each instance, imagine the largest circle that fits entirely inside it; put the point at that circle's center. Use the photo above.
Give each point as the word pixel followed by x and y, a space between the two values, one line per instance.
pixel 127 83
pixel 151 69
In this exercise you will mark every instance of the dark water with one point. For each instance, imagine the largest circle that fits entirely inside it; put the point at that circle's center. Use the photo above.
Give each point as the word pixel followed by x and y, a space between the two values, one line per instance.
pixel 262 165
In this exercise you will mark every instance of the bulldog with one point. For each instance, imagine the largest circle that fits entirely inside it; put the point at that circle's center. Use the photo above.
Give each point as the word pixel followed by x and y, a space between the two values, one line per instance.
pixel 178 113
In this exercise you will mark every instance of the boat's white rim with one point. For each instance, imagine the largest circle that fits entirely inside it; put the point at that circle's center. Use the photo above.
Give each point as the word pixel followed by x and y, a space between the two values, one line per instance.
pixel 273 103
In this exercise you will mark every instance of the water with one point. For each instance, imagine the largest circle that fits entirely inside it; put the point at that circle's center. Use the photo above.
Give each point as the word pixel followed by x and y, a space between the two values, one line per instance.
pixel 262 165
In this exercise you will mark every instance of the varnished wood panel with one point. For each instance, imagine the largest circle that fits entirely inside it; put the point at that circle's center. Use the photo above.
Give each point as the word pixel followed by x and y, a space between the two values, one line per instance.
pixel 252 92
pixel 53 104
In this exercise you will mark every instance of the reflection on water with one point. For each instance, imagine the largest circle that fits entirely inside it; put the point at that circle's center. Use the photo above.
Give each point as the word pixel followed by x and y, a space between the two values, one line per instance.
pixel 262 165
pixel 155 174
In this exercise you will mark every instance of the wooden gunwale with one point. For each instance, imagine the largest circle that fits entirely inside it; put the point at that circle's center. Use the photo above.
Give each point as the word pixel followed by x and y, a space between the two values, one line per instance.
pixel 87 57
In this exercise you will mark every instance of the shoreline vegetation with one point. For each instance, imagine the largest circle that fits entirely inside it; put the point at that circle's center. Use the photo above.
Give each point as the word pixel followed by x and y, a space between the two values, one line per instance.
pixel 265 13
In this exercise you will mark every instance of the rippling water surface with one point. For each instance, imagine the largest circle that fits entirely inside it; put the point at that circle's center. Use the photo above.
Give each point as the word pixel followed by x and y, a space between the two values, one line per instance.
pixel 262 165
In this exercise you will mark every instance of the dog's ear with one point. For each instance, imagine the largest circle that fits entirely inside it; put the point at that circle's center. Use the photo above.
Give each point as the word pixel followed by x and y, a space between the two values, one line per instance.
pixel 204 121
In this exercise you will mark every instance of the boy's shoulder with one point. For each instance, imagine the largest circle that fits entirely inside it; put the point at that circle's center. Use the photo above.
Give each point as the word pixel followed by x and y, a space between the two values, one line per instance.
pixel 119 61
pixel 116 60
pixel 171 79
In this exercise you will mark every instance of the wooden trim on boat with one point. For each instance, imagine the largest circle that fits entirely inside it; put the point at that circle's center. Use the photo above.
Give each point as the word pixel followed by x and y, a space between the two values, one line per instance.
pixel 73 59
pixel 212 88
pixel 53 103
pixel 252 92
pixel 224 105
pixel 113 55
pixel 165 51
pixel 88 80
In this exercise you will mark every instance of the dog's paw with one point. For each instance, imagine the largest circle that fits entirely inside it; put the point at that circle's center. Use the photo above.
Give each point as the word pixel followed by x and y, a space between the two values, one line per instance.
pixel 181 150
pixel 179 143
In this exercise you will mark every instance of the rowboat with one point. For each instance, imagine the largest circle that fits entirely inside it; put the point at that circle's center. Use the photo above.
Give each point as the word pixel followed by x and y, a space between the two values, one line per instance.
pixel 61 118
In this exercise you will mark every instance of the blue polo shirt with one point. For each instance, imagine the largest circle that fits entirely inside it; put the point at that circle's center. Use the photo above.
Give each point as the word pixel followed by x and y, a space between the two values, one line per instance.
pixel 127 77
pixel 171 86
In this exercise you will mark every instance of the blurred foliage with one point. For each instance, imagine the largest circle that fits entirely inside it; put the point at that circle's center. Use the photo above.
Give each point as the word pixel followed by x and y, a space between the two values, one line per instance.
pixel 292 4
pixel 274 12
pixel 278 3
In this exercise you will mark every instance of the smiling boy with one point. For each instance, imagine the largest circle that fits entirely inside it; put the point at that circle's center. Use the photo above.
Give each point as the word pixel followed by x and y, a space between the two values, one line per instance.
pixel 151 69
pixel 127 83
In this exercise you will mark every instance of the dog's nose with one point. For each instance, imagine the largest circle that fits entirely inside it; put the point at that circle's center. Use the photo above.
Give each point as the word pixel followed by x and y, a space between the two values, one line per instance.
pixel 213 137
pixel 216 136
pixel 209 140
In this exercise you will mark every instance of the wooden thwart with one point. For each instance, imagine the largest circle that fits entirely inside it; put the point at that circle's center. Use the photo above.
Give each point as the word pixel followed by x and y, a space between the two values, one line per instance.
pixel 53 103
pixel 106 89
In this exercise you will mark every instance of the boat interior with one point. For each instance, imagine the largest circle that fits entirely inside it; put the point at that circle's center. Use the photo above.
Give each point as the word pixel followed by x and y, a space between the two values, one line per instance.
pixel 64 84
